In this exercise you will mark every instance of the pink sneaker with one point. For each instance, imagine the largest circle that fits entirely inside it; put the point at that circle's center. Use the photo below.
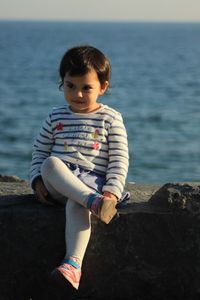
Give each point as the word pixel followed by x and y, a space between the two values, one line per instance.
pixel 102 207
pixel 69 270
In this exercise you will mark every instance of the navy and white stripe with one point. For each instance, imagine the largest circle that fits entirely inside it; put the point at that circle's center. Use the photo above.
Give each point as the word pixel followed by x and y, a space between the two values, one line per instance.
pixel 94 141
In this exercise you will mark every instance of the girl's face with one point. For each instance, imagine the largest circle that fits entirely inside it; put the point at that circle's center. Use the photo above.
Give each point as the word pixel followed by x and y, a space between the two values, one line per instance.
pixel 81 92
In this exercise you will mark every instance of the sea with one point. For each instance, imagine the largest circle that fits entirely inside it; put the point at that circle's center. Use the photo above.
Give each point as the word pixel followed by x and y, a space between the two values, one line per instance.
pixel 155 84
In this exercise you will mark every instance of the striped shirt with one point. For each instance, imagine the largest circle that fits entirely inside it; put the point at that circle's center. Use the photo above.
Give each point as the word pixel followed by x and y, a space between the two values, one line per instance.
pixel 95 141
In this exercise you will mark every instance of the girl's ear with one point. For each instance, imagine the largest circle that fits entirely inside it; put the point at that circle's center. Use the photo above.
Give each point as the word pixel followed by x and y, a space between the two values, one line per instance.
pixel 104 87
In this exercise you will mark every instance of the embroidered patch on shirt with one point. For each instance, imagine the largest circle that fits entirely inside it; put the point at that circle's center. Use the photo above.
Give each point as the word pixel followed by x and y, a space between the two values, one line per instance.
pixel 95 146
pixel 81 143
pixel 59 126
pixel 65 145
pixel 95 134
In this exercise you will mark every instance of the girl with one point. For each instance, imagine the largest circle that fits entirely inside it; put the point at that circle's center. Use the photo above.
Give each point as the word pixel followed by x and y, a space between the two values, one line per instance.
pixel 81 155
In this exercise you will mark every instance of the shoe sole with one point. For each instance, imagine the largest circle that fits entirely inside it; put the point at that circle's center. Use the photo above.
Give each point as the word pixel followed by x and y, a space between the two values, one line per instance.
pixel 107 211
pixel 63 282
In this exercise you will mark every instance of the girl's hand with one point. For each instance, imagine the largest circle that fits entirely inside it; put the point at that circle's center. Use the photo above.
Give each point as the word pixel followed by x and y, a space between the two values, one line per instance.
pixel 41 191
pixel 110 195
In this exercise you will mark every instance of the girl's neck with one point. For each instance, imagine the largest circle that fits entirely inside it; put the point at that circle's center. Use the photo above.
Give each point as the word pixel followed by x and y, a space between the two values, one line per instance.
pixel 86 112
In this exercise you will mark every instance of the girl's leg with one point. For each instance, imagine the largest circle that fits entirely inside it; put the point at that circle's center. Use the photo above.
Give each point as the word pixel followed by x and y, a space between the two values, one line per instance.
pixel 78 224
pixel 63 184
pixel 78 230
pixel 59 177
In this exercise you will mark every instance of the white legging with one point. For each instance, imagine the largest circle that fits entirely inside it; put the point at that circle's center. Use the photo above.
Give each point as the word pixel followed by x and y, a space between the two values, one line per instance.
pixel 65 187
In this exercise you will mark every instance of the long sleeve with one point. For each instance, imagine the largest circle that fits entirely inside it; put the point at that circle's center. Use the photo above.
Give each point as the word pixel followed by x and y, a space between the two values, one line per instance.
pixel 41 148
pixel 118 157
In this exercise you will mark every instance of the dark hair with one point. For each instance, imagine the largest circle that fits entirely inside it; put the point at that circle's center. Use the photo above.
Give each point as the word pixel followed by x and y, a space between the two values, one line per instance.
pixel 80 60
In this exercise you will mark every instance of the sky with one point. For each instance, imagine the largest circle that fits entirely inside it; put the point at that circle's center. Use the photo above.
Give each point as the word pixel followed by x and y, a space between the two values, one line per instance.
pixel 101 10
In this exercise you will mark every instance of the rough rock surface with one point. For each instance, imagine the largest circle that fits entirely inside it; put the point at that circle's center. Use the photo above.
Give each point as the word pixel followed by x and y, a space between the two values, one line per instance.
pixel 150 251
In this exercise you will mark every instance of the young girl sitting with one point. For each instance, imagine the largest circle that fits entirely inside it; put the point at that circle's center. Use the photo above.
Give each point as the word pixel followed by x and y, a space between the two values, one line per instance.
pixel 80 156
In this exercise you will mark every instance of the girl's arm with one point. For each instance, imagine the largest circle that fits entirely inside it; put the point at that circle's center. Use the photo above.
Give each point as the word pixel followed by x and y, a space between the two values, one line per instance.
pixel 41 150
pixel 118 158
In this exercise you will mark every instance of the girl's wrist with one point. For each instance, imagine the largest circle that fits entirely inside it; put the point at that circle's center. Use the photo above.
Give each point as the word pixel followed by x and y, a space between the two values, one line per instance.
pixel 110 195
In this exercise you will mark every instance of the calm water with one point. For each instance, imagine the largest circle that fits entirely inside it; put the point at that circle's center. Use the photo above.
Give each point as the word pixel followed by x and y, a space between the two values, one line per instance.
pixel 155 84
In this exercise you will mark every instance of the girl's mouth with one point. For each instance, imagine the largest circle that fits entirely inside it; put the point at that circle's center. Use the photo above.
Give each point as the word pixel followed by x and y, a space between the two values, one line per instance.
pixel 78 101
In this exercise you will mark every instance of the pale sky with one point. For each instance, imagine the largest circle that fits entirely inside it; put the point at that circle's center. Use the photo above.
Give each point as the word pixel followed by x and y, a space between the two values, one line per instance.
pixel 103 10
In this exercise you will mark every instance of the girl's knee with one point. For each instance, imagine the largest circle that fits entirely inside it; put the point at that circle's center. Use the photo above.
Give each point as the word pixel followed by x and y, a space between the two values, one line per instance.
pixel 48 164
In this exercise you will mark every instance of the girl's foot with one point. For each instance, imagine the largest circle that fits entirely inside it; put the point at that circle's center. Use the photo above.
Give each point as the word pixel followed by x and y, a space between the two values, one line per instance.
pixel 102 207
pixel 70 271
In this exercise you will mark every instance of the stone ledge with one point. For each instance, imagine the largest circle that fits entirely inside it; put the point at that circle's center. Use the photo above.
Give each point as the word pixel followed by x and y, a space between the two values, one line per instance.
pixel 151 251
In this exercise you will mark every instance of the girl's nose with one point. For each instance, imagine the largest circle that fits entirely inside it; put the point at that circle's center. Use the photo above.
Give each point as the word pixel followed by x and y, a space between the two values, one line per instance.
pixel 79 93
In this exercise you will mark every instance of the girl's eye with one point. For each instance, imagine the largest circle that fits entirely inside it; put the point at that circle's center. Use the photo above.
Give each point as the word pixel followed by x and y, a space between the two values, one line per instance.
pixel 87 88
pixel 69 85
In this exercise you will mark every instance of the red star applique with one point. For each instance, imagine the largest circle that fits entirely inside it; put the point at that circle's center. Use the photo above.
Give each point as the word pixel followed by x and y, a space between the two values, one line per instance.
pixel 59 126
pixel 95 146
